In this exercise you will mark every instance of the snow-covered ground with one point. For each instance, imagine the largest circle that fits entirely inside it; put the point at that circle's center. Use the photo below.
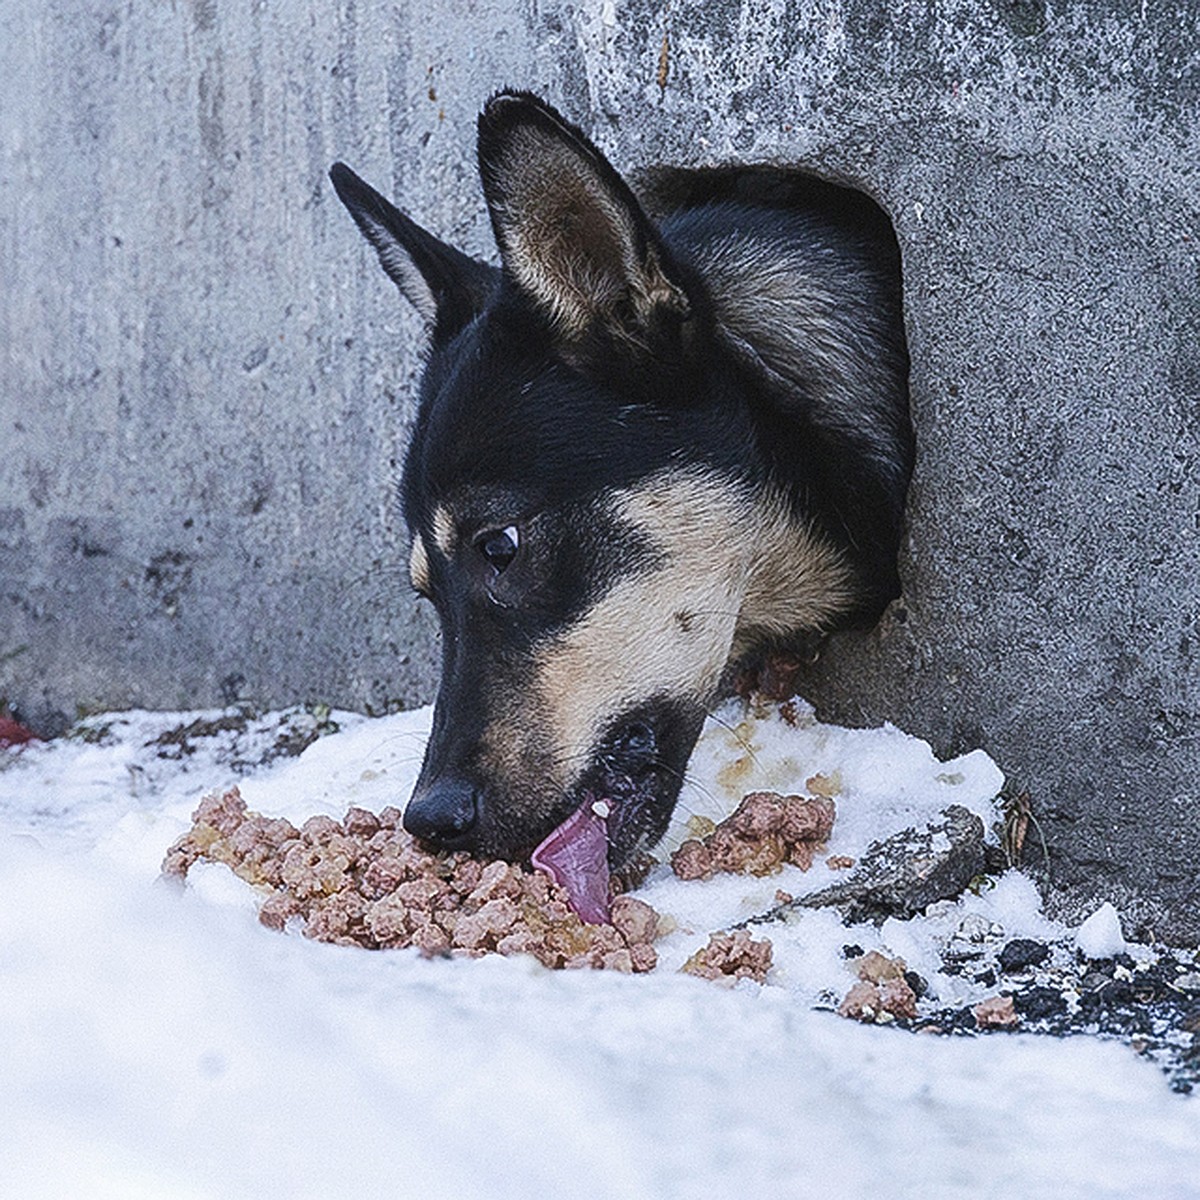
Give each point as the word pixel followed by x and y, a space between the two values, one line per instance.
pixel 161 1043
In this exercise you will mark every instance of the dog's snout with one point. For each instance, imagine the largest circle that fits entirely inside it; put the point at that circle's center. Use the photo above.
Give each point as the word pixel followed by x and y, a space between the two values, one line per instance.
pixel 445 813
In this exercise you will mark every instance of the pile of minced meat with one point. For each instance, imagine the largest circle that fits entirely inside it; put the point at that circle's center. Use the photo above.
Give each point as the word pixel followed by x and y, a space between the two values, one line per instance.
pixel 364 881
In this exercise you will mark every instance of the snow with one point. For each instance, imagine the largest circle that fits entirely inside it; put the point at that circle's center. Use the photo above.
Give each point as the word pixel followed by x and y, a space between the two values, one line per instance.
pixel 1100 935
pixel 160 1043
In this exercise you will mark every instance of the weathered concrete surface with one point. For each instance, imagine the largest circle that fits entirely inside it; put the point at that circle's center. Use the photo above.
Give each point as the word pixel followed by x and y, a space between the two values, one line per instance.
pixel 205 381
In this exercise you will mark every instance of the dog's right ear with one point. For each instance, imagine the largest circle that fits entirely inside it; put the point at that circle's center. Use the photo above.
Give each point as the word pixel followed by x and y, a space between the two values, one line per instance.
pixel 572 235
pixel 445 286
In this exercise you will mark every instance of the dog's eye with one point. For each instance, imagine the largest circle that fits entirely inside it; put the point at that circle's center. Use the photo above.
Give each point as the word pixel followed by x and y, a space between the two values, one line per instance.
pixel 499 546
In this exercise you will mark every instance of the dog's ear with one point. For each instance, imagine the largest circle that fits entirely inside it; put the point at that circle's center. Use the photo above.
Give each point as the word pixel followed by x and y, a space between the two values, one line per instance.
pixel 445 286
pixel 571 233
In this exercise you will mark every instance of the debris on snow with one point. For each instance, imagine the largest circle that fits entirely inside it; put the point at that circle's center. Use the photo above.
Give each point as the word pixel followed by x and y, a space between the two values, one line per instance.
pixel 880 1003
pixel 883 992
pixel 1022 953
pixel 910 870
pixel 974 933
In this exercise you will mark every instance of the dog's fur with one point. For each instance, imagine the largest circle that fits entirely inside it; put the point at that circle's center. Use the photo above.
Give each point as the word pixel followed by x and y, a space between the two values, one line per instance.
pixel 642 453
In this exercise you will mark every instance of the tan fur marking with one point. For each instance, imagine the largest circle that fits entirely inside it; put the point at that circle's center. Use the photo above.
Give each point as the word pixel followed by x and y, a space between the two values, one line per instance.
pixel 630 647
pixel 733 565
pixel 796 579
pixel 443 531
pixel 418 566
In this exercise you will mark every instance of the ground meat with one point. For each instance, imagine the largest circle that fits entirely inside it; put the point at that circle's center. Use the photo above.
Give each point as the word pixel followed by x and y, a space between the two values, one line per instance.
pixel 363 881
pixel 692 861
pixel 764 831
pixel 996 1012
pixel 732 956
pixel 869 1002
pixel 635 919
pixel 882 993
pixel 874 967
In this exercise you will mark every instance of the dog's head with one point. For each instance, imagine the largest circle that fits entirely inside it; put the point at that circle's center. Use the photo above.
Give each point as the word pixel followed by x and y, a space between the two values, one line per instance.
pixel 573 498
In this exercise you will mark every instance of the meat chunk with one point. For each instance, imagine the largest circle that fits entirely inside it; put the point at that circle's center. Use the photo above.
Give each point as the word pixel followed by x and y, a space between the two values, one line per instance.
pixel 765 831
pixel 883 992
pixel 732 956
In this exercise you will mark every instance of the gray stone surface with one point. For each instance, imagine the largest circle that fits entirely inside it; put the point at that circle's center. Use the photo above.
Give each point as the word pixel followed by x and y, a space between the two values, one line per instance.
pixel 907 872
pixel 205 381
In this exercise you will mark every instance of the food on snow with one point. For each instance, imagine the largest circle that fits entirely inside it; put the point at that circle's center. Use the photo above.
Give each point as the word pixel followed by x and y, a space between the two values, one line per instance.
pixel 732 956
pixel 364 881
pixel 883 992
pixel 765 831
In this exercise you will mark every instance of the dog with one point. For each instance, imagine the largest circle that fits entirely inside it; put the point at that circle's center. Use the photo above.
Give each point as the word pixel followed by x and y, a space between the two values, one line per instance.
pixel 645 453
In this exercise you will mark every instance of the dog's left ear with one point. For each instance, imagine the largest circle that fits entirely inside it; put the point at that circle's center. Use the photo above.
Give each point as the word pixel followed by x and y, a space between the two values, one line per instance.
pixel 571 233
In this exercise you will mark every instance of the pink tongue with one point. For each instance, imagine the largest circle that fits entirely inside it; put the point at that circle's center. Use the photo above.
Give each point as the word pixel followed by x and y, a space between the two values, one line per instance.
pixel 575 856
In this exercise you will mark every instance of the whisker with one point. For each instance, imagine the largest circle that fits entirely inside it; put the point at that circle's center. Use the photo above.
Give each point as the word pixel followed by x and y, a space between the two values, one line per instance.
pixel 686 778
pixel 405 762
pixel 399 735
pixel 564 760
pixel 741 740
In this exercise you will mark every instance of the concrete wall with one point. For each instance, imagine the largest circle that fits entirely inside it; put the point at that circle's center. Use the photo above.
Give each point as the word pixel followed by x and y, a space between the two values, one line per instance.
pixel 205 380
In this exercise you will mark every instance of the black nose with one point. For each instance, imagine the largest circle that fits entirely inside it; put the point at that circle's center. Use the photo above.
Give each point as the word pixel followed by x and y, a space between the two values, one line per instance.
pixel 444 813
